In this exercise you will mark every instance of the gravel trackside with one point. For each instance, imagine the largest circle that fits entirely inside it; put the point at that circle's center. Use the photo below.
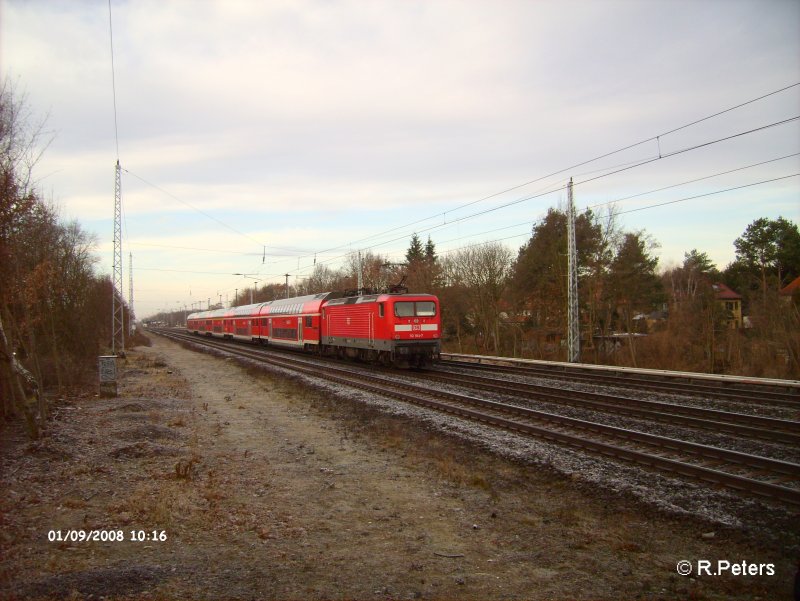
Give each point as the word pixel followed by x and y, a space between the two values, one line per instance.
pixel 266 488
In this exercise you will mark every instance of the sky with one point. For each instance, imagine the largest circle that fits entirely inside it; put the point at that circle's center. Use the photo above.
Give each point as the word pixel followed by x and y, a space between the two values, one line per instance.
pixel 262 137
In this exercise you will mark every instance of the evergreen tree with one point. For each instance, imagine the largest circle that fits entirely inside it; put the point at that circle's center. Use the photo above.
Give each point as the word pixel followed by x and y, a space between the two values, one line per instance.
pixel 415 252
pixel 698 262
pixel 430 251
pixel 634 282
pixel 422 266
pixel 539 277
pixel 771 248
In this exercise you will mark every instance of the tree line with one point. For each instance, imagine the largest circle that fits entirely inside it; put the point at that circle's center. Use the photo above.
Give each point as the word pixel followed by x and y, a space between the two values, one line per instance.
pixel 55 310
pixel 632 310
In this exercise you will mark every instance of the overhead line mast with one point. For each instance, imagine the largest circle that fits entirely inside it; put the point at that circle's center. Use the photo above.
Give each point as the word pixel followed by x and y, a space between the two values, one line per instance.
pixel 117 298
pixel 573 318
pixel 117 303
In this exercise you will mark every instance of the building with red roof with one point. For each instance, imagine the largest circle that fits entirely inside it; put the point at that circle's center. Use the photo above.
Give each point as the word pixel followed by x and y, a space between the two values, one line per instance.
pixel 731 302
pixel 791 288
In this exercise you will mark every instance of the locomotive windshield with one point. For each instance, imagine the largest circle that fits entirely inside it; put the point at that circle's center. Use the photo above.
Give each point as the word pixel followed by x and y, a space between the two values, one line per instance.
pixel 415 309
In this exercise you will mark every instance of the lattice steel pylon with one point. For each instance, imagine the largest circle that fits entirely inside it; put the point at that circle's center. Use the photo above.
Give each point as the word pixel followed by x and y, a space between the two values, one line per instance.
pixel 117 304
pixel 573 318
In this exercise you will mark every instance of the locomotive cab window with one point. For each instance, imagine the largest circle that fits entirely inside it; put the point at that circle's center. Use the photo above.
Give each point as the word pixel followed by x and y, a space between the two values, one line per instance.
pixel 418 309
pixel 404 309
pixel 425 308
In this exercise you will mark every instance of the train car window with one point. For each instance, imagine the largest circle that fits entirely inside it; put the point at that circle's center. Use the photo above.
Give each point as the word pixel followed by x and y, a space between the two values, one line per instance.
pixel 380 309
pixel 426 309
pixel 404 309
pixel 308 322
pixel 419 308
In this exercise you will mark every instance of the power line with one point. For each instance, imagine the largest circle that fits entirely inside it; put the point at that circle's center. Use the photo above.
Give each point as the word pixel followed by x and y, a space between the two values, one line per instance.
pixel 606 203
pixel 670 202
pixel 615 170
pixel 443 215
pixel 672 131
pixel 564 187
pixel 653 206
pixel 214 250
pixel 194 208
pixel 690 148
pixel 219 221
pixel 699 179
pixel 181 271
pixel 448 251
pixel 625 167
pixel 113 78
pixel 117 305
pixel 575 166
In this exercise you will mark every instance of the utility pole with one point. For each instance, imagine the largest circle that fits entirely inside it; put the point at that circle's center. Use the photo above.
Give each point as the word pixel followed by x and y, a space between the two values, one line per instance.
pixel 248 276
pixel 117 305
pixel 287 285
pixel 573 335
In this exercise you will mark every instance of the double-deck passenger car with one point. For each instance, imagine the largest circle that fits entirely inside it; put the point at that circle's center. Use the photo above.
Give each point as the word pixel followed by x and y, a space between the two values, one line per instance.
pixel 393 329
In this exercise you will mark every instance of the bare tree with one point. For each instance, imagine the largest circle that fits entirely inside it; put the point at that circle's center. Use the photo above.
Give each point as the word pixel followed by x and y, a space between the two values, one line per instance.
pixel 373 274
pixel 323 279
pixel 483 272
pixel 52 305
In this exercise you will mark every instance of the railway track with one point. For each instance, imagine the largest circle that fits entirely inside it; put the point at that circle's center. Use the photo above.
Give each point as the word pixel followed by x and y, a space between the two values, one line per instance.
pixel 734 389
pixel 752 474
pixel 737 424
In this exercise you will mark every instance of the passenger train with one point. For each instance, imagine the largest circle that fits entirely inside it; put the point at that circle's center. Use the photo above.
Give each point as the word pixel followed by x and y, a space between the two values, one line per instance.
pixel 402 330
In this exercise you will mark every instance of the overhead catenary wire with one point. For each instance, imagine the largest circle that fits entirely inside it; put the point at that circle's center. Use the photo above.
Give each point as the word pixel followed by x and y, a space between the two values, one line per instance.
pixel 652 206
pixel 113 78
pixel 604 174
pixel 211 250
pixel 532 224
pixel 575 166
pixel 444 214
pixel 699 179
pixel 117 304
pixel 191 206
pixel 670 202
pixel 563 187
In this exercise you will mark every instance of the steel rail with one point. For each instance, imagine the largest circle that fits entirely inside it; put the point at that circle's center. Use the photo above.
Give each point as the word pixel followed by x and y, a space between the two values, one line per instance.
pixel 657 382
pixel 454 404
pixel 740 424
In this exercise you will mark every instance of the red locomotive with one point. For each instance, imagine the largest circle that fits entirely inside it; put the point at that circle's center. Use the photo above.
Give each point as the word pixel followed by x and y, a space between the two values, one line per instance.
pixel 394 329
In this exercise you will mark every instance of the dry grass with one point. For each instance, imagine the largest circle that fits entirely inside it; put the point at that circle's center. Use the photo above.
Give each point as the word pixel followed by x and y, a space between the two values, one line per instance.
pixel 153 505
pixel 230 526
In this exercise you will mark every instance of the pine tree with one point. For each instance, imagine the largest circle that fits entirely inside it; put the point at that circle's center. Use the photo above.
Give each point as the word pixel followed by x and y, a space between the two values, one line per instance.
pixel 430 251
pixel 415 252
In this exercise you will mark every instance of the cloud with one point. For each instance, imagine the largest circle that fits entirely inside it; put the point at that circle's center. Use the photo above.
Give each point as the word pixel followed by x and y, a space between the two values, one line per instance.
pixel 321 123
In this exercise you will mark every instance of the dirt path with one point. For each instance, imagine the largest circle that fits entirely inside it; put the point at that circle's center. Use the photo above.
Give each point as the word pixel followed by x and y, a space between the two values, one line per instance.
pixel 278 491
